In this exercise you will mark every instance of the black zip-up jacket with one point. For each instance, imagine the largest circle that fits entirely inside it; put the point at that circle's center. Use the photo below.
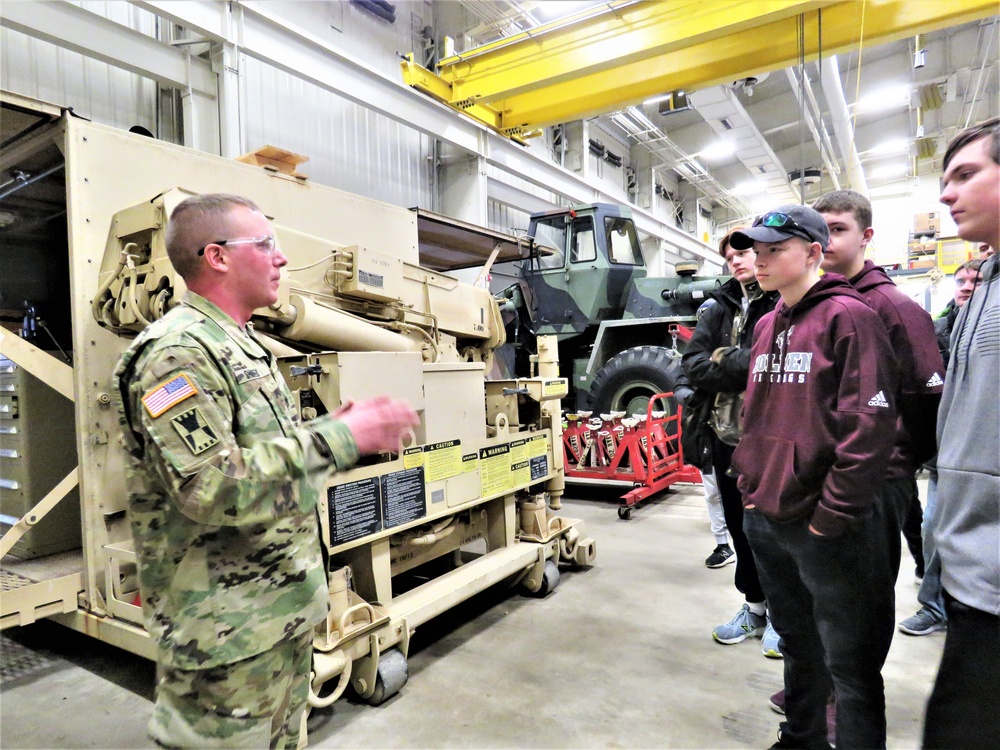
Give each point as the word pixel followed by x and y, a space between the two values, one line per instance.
pixel 943 325
pixel 714 330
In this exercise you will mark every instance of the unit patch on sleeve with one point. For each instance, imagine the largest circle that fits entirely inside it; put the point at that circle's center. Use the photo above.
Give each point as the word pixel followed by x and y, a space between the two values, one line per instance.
pixel 167 395
pixel 195 431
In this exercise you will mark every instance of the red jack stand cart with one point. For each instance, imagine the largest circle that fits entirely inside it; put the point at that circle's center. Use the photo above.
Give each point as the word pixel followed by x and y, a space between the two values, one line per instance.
pixel 642 449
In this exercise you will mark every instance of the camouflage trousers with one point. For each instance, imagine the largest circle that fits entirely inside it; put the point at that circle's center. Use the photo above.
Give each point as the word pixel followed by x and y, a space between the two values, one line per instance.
pixel 254 703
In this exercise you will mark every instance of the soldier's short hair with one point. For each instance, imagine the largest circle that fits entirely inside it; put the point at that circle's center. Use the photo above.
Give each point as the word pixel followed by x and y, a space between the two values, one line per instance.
pixel 844 201
pixel 194 223
pixel 986 129
pixel 969 265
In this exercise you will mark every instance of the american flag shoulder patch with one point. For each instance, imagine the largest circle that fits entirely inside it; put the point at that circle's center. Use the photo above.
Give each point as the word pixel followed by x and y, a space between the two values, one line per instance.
pixel 167 395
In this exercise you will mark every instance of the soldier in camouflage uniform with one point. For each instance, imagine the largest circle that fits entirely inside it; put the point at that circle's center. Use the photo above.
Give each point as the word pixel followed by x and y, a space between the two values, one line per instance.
pixel 223 484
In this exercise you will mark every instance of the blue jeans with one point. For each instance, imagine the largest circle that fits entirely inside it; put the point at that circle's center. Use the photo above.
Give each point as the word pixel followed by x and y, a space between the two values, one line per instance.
pixel 831 601
pixel 931 594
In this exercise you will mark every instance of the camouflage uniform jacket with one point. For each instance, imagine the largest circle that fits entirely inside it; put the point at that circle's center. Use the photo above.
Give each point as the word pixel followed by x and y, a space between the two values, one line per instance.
pixel 223 487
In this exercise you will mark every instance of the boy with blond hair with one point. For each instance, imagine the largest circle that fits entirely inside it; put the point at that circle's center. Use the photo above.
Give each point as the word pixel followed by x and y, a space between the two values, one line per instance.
pixel 819 427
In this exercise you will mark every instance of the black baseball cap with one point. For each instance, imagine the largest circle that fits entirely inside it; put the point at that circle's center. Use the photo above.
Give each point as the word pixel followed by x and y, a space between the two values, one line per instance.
pixel 780 224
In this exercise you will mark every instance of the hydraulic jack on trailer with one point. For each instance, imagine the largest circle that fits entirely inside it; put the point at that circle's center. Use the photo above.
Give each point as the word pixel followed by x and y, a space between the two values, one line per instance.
pixel 644 449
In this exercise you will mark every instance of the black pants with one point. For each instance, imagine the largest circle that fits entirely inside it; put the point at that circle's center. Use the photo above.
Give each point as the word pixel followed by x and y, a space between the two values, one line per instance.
pixel 747 581
pixel 831 601
pixel 912 528
pixel 962 712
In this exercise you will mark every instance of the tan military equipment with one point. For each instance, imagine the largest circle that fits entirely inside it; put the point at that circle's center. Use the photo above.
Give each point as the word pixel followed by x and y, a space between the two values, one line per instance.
pixel 470 497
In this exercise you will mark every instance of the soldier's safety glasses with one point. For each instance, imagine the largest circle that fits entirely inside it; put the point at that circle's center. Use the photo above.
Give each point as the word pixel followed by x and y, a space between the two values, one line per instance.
pixel 263 244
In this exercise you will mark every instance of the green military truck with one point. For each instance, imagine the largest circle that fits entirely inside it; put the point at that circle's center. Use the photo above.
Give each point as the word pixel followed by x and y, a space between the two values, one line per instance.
pixel 585 282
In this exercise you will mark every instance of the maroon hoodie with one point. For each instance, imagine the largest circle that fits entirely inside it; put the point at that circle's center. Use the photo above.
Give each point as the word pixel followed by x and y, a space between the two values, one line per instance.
pixel 921 370
pixel 819 417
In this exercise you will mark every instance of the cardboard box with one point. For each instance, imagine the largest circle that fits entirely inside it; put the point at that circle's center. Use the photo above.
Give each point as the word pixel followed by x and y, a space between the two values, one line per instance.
pixel 276 160
pixel 929 223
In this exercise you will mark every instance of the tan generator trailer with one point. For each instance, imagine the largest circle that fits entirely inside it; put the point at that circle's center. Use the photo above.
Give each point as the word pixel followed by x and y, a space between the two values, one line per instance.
pixel 466 504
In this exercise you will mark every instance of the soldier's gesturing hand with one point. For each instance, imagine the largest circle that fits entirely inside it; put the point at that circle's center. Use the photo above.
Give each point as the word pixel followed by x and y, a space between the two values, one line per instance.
pixel 379 423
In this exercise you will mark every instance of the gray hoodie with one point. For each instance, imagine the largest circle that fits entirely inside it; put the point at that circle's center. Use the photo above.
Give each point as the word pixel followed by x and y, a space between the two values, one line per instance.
pixel 966 523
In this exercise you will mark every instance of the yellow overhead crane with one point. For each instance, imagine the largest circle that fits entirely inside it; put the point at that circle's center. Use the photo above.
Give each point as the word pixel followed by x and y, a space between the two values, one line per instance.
pixel 624 52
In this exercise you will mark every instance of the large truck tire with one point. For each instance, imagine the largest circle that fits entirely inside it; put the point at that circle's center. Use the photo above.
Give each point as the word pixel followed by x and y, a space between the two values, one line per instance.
pixel 630 378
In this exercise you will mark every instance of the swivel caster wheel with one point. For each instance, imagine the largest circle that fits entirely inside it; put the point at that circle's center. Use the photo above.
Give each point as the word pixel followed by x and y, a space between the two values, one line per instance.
pixel 550 579
pixel 390 676
pixel 625 512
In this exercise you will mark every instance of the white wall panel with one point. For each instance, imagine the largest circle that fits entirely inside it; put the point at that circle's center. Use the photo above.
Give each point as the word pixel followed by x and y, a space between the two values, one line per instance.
pixel 95 90
pixel 349 147
pixel 358 32
pixel 506 219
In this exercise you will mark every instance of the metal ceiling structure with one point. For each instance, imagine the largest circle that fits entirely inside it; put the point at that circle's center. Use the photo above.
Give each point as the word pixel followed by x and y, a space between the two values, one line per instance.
pixel 719 40
pixel 249 28
pixel 624 52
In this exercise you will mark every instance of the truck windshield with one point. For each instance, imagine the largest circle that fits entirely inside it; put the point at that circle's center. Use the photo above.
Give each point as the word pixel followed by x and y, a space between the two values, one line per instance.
pixel 551 232
pixel 623 245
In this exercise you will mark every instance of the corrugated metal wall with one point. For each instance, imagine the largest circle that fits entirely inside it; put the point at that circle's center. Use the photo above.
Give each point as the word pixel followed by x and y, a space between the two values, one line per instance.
pixel 349 147
pixel 506 219
pixel 95 90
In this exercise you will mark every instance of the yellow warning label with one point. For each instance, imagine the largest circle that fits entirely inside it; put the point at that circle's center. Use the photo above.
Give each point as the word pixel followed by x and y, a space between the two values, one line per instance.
pixel 521 473
pixel 555 387
pixel 518 451
pixel 443 460
pixel 470 463
pixel 494 467
pixel 413 457
pixel 538 446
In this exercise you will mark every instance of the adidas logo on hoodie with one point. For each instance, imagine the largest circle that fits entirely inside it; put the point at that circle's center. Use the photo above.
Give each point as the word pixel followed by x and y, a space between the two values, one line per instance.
pixel 935 380
pixel 879 400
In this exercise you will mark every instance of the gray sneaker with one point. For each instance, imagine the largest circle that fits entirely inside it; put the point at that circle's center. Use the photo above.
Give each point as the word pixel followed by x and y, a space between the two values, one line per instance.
pixel 922 623
pixel 770 643
pixel 741 627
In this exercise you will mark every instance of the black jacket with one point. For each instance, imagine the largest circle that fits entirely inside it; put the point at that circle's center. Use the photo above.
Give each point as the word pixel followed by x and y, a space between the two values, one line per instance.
pixel 714 330
pixel 943 325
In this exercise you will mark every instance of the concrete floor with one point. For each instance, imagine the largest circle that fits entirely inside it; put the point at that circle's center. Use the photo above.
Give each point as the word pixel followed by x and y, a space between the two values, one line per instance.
pixel 620 655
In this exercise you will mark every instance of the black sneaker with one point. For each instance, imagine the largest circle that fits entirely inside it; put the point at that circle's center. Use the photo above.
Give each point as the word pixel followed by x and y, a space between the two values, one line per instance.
pixel 786 743
pixel 723 555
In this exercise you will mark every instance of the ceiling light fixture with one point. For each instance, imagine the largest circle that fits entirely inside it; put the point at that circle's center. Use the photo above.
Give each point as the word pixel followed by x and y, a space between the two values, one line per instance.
pixel 718 150
pixel 894 146
pixel 554 11
pixel 749 187
pixel 888 171
pixel 887 98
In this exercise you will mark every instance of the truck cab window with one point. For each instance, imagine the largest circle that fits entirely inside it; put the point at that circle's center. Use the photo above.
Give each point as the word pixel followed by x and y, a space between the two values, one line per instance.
pixel 583 248
pixel 623 244
pixel 552 234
